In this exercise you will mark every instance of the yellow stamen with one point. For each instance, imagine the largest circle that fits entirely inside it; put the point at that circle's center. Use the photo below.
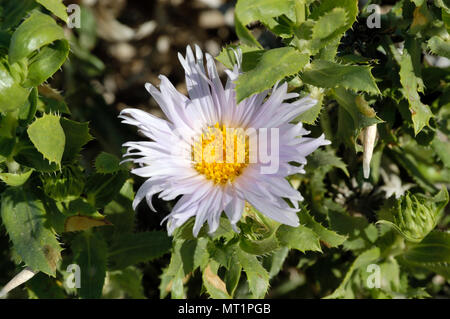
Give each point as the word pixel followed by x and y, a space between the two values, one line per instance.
pixel 221 154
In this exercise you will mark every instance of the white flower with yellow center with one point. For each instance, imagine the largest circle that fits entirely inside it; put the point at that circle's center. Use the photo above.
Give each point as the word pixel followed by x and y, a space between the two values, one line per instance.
pixel 215 152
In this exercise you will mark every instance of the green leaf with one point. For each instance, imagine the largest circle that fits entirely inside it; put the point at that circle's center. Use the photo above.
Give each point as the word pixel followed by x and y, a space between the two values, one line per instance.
pixel 420 113
pixel 65 185
pixel 257 276
pixel 52 105
pixel 103 188
pixel 233 274
pixel 326 32
pixel 311 115
pixel 350 7
pixel 274 262
pixel 214 285
pixel 13 179
pixel 120 211
pixel 56 7
pixel 46 62
pixel 327 24
pixel 24 217
pixel 361 234
pixel 439 46
pixel 351 117
pixel 325 159
pixel 37 31
pixel 328 237
pixel 288 61
pixel 173 276
pixel 130 249
pixel 244 34
pixel 30 157
pixel 250 56
pixel 12 94
pixel 48 137
pixel 331 75
pixel 77 135
pixel 301 238
pixel 414 216
pixel 259 246
pixel 106 163
pixel 264 10
pixel 432 253
pixel 90 253
pixel 441 145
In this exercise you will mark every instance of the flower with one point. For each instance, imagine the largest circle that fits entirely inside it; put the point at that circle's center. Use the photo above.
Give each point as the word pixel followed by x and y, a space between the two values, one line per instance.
pixel 189 155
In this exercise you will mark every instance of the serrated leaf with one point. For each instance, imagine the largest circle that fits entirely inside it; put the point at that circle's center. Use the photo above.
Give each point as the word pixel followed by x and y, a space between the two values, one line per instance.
pixel 432 253
pixel 103 188
pixel 24 217
pixel 326 32
pixel 361 234
pixel 90 254
pixel 106 163
pixel 48 137
pixel 172 278
pixel 30 157
pixel 77 135
pixel 12 94
pixel 441 145
pixel 274 262
pixel 37 31
pixel 327 24
pixel 56 7
pixel 420 113
pixel 257 276
pixel 13 179
pixel 233 274
pixel 250 56
pixel 328 237
pixel 288 61
pixel 439 46
pixel 46 62
pixel 301 238
pixel 259 246
pixel 130 249
pixel 323 158
pixel 264 10
pixel 215 286
pixel 350 7
pixel 311 115
pixel 351 118
pixel 331 75
pixel 244 34
pixel 120 211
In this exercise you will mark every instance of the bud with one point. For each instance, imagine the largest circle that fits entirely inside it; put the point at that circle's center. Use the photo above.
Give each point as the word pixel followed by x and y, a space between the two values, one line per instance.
pixel 66 185
pixel 414 216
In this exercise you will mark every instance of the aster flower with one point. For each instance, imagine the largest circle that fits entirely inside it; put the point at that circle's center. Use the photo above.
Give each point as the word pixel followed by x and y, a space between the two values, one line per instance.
pixel 201 153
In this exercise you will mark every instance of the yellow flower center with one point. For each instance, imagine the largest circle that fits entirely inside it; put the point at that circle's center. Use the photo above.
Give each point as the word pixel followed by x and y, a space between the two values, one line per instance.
pixel 221 154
